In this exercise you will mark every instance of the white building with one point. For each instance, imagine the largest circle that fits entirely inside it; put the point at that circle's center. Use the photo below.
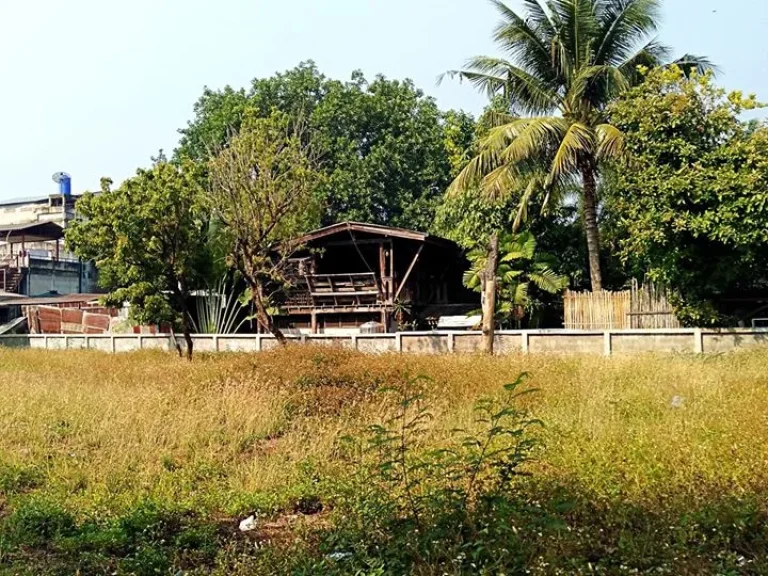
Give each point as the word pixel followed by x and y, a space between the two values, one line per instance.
pixel 33 259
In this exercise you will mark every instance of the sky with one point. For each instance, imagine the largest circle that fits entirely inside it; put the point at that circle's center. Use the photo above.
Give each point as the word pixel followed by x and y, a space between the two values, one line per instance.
pixel 97 87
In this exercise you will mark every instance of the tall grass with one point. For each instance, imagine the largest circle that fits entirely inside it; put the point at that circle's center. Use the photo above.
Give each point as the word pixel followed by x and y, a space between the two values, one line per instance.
pixel 638 453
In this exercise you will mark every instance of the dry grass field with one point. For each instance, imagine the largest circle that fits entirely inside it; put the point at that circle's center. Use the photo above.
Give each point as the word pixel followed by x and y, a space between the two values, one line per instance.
pixel 145 464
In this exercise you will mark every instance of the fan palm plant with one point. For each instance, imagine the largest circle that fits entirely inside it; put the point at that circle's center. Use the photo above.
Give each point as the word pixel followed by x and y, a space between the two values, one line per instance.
pixel 568 59
pixel 520 269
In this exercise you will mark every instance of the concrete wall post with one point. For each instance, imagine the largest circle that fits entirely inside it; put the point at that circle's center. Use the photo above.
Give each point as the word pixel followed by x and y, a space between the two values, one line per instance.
pixel 607 348
pixel 698 341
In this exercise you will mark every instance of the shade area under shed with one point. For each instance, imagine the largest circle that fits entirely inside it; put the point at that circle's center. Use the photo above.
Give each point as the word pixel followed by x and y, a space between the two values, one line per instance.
pixel 33 232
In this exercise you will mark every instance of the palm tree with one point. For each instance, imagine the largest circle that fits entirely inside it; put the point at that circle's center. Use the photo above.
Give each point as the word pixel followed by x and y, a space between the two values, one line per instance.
pixel 520 267
pixel 568 60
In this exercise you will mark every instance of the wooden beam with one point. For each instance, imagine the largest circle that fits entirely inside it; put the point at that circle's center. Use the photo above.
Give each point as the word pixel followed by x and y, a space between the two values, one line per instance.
pixel 313 322
pixel 347 293
pixel 391 271
pixel 357 247
pixel 410 269
pixel 383 271
pixel 358 241
pixel 310 286
pixel 328 310
pixel 345 275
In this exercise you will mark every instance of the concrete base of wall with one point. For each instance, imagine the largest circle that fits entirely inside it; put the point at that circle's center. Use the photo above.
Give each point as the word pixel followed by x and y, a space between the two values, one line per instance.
pixel 693 341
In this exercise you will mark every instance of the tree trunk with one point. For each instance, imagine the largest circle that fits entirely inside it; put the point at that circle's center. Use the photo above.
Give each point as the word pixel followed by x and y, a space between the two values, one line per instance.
pixel 175 343
pixel 262 314
pixel 590 223
pixel 489 294
pixel 185 323
pixel 187 335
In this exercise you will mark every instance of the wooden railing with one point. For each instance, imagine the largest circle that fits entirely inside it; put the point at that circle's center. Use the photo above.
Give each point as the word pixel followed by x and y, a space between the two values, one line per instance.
pixel 323 290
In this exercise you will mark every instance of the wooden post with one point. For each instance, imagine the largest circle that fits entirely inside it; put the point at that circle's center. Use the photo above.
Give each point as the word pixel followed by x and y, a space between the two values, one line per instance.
pixel 314 323
pixel 383 271
pixel 489 292
pixel 391 271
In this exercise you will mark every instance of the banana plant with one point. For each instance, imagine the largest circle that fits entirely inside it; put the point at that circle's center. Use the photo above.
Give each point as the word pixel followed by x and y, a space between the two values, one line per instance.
pixel 522 271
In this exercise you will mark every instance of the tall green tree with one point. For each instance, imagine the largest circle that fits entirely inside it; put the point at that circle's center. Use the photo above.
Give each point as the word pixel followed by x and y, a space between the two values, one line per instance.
pixel 149 241
pixel 385 149
pixel 261 187
pixel 568 59
pixel 689 203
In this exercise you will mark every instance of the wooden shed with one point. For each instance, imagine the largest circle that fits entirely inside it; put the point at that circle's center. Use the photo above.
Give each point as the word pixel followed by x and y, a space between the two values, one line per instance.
pixel 352 275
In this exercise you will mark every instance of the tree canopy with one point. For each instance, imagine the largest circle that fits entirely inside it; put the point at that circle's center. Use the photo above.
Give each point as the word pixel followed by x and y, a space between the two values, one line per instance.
pixel 568 60
pixel 261 192
pixel 386 150
pixel 690 201
pixel 149 241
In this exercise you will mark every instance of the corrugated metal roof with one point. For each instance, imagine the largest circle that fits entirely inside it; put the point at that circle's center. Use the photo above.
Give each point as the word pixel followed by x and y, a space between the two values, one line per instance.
pixel 31 199
pixel 24 200
pixel 50 300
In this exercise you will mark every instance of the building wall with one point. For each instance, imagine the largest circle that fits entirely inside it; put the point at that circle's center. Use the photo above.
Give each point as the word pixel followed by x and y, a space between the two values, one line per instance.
pixel 38 211
pixel 64 277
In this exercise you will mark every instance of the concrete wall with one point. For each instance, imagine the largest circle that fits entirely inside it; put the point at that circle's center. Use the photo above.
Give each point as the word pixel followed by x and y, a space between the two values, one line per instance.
pixel 33 211
pixel 693 341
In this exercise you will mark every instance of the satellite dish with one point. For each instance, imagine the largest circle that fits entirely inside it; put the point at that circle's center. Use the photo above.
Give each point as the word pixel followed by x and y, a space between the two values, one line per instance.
pixel 59 176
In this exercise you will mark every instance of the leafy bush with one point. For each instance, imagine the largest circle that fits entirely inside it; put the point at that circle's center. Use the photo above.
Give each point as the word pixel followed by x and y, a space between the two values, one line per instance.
pixel 443 505
pixel 38 520
pixel 14 478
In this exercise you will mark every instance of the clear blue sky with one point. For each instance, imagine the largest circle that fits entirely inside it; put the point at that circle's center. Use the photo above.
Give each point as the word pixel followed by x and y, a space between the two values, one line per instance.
pixel 95 87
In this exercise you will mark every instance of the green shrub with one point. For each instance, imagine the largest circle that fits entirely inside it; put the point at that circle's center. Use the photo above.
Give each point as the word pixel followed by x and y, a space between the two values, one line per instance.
pixel 38 521
pixel 445 505
pixel 15 479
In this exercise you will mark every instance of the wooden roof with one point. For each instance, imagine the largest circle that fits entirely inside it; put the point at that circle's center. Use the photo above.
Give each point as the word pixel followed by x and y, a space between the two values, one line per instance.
pixel 376 230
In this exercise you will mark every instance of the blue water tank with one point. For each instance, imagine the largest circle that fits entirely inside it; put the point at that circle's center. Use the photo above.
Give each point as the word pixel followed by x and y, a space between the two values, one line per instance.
pixel 65 185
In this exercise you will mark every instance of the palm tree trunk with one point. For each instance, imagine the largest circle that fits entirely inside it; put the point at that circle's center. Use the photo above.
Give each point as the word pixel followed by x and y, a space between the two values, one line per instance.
pixel 489 294
pixel 590 223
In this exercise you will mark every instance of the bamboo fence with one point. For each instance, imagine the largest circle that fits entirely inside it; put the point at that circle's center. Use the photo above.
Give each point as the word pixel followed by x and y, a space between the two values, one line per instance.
pixel 643 306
